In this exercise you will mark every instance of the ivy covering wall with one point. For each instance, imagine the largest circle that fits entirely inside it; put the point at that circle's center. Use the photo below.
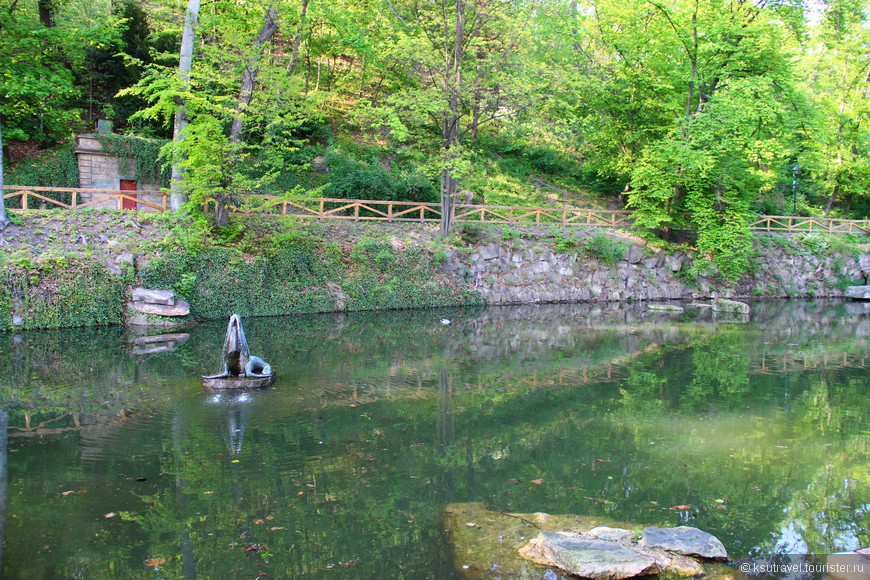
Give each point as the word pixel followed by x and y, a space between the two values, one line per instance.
pixel 144 152
pixel 56 292
pixel 304 277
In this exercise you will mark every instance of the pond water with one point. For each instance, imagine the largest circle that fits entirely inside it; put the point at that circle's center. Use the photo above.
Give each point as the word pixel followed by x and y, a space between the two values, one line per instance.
pixel 116 464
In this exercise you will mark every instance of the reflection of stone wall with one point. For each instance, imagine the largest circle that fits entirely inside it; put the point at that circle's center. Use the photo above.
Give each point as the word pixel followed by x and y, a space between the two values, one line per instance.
pixel 99 170
pixel 526 271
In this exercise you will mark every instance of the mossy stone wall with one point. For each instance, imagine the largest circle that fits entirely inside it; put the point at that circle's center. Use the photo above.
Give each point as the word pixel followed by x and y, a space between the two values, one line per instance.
pixel 299 278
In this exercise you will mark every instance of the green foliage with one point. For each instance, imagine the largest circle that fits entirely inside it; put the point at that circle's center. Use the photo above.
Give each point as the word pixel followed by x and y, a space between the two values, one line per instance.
pixel 291 273
pixel 56 168
pixel 44 69
pixel 692 104
pixel 351 178
pixel 545 160
pixel 599 246
pixel 605 249
pixel 471 233
pixel 503 189
pixel 56 291
pixel 144 152
pixel 564 244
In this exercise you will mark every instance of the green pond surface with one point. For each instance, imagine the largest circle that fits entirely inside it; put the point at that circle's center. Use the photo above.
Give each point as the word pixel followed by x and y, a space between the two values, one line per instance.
pixel 115 462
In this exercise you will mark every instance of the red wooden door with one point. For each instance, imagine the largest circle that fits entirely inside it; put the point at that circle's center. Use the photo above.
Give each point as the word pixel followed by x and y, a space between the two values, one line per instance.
pixel 128 185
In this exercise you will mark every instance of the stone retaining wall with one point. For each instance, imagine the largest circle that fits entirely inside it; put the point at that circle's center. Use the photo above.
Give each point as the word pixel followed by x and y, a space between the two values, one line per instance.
pixel 526 271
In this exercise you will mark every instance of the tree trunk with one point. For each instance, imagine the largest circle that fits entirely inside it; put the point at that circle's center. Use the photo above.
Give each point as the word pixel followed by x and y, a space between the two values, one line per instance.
pixel 4 219
pixel 246 93
pixel 297 42
pixel 46 12
pixel 450 130
pixel 185 64
pixel 270 26
pixel 831 200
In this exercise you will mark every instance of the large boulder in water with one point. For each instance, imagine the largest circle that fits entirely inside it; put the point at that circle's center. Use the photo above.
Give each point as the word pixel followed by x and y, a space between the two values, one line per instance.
pixel 684 540
pixel 588 557
pixel 489 544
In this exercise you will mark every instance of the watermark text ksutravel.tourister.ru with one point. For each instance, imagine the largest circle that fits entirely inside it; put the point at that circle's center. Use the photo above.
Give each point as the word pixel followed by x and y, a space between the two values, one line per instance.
pixel 755 568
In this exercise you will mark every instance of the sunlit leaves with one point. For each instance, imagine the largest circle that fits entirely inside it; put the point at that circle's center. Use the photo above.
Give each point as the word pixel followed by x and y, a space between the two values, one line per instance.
pixel 40 92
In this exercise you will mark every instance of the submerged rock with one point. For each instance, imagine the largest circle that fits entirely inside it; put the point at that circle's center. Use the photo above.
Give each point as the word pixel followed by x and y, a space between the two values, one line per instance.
pixel 730 306
pixel 684 540
pixel 611 534
pixel 488 544
pixel 858 292
pixel 665 307
pixel 588 557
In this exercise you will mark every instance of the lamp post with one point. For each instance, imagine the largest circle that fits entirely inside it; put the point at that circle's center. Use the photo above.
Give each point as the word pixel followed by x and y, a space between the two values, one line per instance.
pixel 796 171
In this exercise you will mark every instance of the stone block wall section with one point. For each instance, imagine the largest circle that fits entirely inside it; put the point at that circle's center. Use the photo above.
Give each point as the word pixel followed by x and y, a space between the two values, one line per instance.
pixel 100 170
pixel 529 271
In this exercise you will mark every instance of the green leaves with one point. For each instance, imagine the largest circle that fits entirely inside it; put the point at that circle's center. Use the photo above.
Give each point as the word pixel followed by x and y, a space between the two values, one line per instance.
pixel 40 69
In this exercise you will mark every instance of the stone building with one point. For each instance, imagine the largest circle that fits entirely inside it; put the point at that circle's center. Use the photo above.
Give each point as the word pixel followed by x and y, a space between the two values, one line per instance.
pixel 106 174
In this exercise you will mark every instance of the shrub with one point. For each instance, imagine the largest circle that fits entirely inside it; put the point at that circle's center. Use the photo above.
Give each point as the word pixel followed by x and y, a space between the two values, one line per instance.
pixel 605 249
pixel 56 292
pixel 350 178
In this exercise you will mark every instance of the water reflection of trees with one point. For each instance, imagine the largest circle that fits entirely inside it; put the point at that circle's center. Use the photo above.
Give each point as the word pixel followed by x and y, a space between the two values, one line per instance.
pixel 378 419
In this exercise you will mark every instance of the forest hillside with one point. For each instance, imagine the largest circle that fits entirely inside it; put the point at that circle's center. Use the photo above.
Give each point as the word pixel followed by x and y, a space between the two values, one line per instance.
pixel 693 113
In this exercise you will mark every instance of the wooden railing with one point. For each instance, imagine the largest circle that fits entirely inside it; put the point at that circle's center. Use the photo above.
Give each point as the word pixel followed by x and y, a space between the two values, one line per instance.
pixel 56 197
pixel 357 209
pixel 797 224
pixel 393 211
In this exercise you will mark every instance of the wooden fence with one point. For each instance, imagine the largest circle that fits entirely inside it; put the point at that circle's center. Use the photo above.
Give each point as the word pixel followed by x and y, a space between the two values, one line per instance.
pixel 797 224
pixel 22 197
pixel 25 197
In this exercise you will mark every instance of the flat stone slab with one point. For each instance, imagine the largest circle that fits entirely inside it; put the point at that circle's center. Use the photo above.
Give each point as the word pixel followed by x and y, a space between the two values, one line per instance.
pixel 140 321
pixel 684 540
pixel 156 348
pixel 158 343
pixel 165 297
pixel 176 338
pixel 489 545
pixel 180 308
pixel 733 306
pixel 858 292
pixel 665 307
pixel 610 534
pixel 588 557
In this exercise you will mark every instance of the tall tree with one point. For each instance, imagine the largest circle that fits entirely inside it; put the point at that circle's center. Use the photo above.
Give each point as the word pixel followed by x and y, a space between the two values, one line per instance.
pixel 185 64
pixel 463 58
pixel 695 105
pixel 246 93
pixel 838 82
